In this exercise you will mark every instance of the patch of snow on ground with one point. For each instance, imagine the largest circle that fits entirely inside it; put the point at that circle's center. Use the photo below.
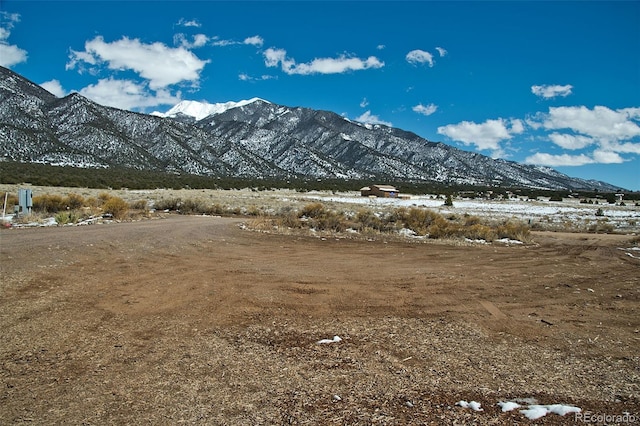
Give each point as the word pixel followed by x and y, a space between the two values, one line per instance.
pixel 508 241
pixel 532 411
pixel 629 250
pixel 536 411
pixel 474 405
pixel 335 339
pixel 407 232
pixel 50 221
pixel 508 406
pixel 545 212
pixel 479 241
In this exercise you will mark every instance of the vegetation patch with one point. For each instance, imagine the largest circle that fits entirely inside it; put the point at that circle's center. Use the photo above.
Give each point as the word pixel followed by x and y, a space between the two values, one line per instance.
pixel 420 222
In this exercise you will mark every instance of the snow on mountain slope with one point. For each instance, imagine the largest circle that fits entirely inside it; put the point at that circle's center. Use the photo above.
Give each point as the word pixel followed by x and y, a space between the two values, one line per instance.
pixel 251 138
pixel 200 110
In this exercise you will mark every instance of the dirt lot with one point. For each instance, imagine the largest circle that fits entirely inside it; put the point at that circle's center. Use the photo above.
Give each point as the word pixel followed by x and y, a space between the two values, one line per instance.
pixel 194 320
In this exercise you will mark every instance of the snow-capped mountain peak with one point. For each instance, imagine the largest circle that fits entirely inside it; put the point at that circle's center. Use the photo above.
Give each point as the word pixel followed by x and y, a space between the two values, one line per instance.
pixel 200 110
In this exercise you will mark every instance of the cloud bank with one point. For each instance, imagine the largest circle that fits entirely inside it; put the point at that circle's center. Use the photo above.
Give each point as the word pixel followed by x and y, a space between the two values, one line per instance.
pixel 598 135
pixel 159 64
pixel 610 132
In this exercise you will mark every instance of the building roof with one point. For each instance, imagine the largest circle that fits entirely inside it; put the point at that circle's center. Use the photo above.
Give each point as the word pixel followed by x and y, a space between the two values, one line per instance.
pixel 385 187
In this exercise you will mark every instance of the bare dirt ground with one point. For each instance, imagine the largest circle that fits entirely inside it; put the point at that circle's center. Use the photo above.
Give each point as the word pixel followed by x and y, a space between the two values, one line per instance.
pixel 194 320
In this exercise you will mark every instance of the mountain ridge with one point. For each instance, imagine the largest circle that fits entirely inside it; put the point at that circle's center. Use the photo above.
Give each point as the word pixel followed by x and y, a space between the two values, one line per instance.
pixel 252 138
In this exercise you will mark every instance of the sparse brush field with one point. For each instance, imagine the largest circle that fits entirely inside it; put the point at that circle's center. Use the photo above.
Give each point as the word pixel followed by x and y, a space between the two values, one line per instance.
pixel 164 312
pixel 348 214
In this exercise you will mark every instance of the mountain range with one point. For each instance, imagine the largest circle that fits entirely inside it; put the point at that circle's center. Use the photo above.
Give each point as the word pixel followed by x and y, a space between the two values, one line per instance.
pixel 252 138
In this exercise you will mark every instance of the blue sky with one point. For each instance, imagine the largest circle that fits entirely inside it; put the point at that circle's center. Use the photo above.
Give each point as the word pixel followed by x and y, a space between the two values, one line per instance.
pixel 551 83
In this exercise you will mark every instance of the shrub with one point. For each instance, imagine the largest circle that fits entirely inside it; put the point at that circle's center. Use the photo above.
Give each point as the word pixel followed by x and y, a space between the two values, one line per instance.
pixel 313 210
pixel 514 231
pixel 74 201
pixel 477 231
pixel 167 204
pixel 255 211
pixel 442 228
pixel 48 203
pixel 115 206
pixel 139 205
pixel 448 201
pixel 416 219
pixel 366 219
pixel 191 206
pixel 321 218
pixel 471 220
pixel 62 218
pixel 601 226
pixel 330 221
pixel 103 197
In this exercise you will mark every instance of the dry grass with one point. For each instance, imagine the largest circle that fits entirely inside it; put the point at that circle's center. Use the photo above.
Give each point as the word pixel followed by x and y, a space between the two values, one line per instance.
pixel 286 207
pixel 316 217
pixel 280 211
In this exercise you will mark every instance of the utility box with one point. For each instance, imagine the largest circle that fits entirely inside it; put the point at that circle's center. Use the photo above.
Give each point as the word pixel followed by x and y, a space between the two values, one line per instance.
pixel 25 201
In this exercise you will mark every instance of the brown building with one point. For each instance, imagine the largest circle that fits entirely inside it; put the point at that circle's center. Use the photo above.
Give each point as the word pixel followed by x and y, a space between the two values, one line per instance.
pixel 386 191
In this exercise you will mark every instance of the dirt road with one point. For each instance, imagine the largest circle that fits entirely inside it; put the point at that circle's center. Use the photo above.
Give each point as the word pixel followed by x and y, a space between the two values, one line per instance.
pixel 192 319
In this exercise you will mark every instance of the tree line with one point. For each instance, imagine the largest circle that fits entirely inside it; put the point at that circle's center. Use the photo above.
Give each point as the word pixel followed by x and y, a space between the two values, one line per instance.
pixel 115 178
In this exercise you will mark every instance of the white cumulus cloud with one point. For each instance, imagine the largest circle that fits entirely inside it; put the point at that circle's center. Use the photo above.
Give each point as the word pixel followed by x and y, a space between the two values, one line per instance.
pixel 127 94
pixel 551 91
pixel 278 57
pixel 159 64
pixel 199 40
pixel 10 54
pixel 442 52
pixel 569 141
pixel 600 122
pixel 189 23
pixel 425 109
pixel 254 41
pixel 557 160
pixel 607 157
pixel 552 160
pixel 610 133
pixel 54 87
pixel 419 57
pixel 368 118
pixel 484 136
